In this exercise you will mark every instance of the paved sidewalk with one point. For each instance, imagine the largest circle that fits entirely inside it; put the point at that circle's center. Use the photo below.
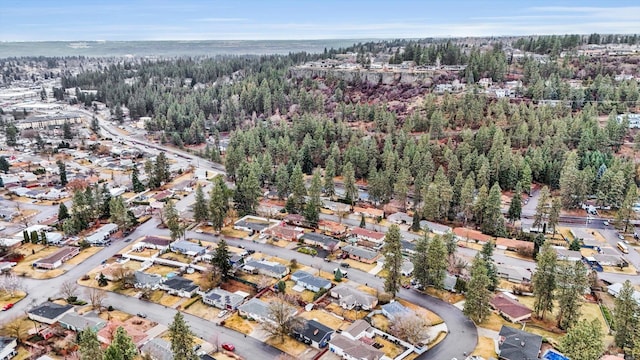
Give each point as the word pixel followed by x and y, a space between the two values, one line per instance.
pixel 376 269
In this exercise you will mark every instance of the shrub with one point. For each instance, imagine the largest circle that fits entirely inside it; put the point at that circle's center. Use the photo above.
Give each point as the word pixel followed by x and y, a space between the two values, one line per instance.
pixel 384 298
pixel 308 251
pixel 319 294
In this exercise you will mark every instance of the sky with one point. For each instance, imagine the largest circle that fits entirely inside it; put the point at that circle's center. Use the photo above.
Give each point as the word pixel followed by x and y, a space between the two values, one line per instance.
pixel 118 20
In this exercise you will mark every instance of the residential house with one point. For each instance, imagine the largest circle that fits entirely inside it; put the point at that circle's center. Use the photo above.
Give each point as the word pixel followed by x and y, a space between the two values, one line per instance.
pixel 144 280
pixel 514 344
pixel 406 269
pixel 296 220
pixel 323 241
pixel 395 310
pixel 349 349
pixel 408 247
pixel 158 349
pixel 567 255
pixel 105 335
pixel 251 227
pixel 510 308
pixel 359 329
pixel 255 309
pixel 76 322
pixel 187 248
pixel 268 268
pixel 349 297
pixel 154 242
pixel 8 347
pixel 310 282
pixel 284 232
pixel 371 213
pixel 315 334
pixel 513 273
pixel 49 312
pixel 179 286
pixel 335 206
pixel 332 228
pixel 400 218
pixel 368 238
pixel 55 260
pixel 435 228
pixel 361 254
pixel 609 260
pixel 223 299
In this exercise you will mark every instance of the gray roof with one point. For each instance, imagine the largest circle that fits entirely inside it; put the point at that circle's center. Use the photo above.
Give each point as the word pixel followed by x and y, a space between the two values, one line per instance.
pixel 449 282
pixel 255 306
pixel 186 246
pixel 360 252
pixel 353 296
pixel 224 297
pixel 180 284
pixel 320 238
pixel 82 322
pixel 5 341
pixel 518 345
pixel 273 267
pixel 435 227
pixel 315 331
pixel 143 278
pixel 255 226
pixel 355 348
pixel 158 348
pixel 306 278
pixel 395 309
pixel 50 310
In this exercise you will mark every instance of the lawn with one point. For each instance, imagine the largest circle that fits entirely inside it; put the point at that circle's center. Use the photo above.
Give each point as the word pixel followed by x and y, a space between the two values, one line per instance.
pixel 231 232
pixel 203 310
pixel 485 348
pixel 422 312
pixel 6 298
pixel 235 322
pixel 324 317
pixel 390 349
pixel 444 295
pixel 115 314
pixel 290 345
pixel 177 257
pixel 305 295
pixel 359 265
pixel 84 255
pixel 629 270
pixel 163 298
pixel 381 322
pixel 161 270
pixel 350 315
pixel 566 233
pixel 144 252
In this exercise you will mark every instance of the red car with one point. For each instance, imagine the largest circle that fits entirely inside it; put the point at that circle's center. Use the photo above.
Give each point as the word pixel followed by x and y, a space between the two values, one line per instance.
pixel 228 347
pixel 7 307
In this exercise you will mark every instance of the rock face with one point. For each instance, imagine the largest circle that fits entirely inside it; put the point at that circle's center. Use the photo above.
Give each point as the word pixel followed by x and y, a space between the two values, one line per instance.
pixel 423 79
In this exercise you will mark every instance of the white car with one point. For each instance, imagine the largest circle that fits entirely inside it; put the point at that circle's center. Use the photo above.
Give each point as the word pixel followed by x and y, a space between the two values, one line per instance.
pixel 222 313
pixel 606 223
pixel 199 231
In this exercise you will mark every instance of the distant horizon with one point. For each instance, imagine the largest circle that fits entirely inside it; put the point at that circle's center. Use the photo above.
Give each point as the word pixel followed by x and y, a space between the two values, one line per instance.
pixel 254 20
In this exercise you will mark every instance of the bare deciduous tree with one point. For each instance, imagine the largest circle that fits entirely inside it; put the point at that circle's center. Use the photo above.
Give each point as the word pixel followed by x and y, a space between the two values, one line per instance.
pixel 210 278
pixel 283 318
pixel 11 283
pixel 264 282
pixel 96 297
pixel 16 327
pixel 411 328
pixel 69 289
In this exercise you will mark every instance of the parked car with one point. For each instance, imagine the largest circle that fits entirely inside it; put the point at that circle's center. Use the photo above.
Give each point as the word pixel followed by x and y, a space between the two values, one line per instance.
pixel 199 231
pixel 620 236
pixel 223 313
pixel 7 307
pixel 228 347
pixel 327 259
pixel 345 265
pixel 606 223
pixel 142 315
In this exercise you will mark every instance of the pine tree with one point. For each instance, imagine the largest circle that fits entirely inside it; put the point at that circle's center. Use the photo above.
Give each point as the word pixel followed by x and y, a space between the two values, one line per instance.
pixel 89 346
pixel 571 282
pixel 420 260
pixel 329 174
pixel 4 164
pixel 542 208
pixel 218 203
pixel 200 208
pixel 625 316
pixel 401 187
pixel 625 213
pixel 544 281
pixel 312 208
pixel 62 172
pixel 349 178
pixel 466 198
pixel 121 347
pixel 137 185
pixel 478 296
pixel 282 181
pixel 172 220
pixel 492 271
pixel 298 190
pixel 583 341
pixel 181 339
pixel 392 251
pixel 118 213
pixel 480 204
pixel 493 220
pixel 247 189
pixel 63 212
pixel 554 214
pixel 437 262
pixel 515 208
pixel 221 259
